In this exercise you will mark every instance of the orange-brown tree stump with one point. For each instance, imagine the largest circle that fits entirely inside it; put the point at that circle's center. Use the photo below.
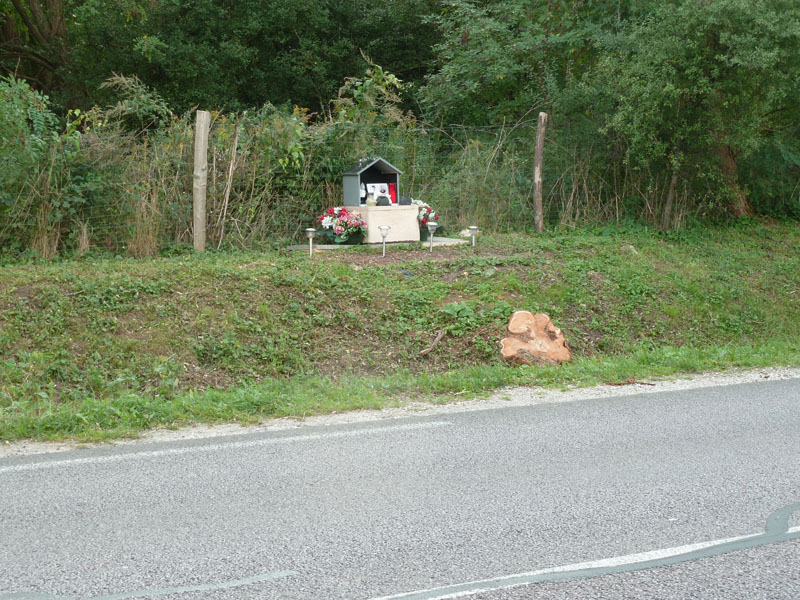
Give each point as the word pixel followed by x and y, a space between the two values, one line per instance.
pixel 534 340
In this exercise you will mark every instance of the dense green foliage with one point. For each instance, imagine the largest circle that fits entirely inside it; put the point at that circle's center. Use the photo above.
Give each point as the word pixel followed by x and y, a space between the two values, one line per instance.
pixel 94 346
pixel 707 89
pixel 660 112
pixel 124 183
pixel 500 59
pixel 704 81
pixel 27 127
pixel 218 54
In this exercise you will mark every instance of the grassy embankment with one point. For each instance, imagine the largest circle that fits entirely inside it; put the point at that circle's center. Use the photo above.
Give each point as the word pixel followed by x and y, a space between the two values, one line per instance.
pixel 101 347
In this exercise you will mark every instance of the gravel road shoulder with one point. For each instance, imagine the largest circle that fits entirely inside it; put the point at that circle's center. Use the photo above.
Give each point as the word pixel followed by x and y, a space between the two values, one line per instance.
pixel 512 396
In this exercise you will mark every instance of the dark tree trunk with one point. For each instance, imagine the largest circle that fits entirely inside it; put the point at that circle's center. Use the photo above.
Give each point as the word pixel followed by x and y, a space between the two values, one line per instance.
pixel 43 53
pixel 667 216
pixel 8 31
pixel 741 206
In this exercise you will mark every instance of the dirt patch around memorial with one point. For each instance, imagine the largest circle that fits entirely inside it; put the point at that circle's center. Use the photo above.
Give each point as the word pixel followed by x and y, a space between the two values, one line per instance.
pixel 371 257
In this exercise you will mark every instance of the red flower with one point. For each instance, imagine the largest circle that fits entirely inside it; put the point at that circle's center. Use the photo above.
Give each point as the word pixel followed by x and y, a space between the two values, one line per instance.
pixel 330 211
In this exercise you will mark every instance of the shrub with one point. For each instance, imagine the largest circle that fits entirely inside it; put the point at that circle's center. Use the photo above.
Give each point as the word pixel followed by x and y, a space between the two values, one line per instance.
pixel 27 127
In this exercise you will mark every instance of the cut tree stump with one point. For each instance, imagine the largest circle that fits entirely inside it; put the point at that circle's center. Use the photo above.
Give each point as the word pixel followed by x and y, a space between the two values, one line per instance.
pixel 533 340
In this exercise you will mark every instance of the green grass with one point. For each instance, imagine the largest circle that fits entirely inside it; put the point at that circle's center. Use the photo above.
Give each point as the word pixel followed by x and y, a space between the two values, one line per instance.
pixel 105 347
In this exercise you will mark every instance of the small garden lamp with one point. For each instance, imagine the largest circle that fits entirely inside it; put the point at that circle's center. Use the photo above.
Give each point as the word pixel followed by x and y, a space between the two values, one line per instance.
pixel 432 225
pixel 473 229
pixel 310 233
pixel 384 232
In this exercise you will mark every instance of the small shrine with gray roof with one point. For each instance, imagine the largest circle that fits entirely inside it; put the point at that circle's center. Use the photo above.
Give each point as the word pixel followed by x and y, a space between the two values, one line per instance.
pixel 372 186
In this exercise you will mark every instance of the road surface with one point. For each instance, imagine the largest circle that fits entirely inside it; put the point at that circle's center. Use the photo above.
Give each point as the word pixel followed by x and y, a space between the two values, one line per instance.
pixel 687 494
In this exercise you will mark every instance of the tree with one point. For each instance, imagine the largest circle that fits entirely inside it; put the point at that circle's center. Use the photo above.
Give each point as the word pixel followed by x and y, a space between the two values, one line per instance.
pixel 27 127
pixel 223 54
pixel 32 36
pixel 237 54
pixel 501 58
pixel 702 83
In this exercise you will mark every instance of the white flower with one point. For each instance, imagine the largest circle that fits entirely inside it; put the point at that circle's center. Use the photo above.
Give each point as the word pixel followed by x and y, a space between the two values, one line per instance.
pixel 327 222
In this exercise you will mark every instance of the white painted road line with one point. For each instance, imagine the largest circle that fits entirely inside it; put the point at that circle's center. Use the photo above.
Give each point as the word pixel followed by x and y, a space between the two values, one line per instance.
pixel 155 592
pixel 470 588
pixel 129 456
pixel 196 588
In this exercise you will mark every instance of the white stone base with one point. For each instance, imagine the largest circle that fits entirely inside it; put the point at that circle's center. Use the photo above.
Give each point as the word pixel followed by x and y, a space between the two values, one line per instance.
pixel 402 220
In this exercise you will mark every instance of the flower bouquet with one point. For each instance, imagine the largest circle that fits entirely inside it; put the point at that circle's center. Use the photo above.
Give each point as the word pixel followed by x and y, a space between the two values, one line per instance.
pixel 426 215
pixel 343 226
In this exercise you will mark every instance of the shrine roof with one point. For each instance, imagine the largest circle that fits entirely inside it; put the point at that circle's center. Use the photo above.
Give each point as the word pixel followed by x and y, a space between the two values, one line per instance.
pixel 365 163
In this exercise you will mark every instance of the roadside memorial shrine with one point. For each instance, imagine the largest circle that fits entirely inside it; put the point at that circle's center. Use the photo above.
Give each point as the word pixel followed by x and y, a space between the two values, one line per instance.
pixel 374 211
pixel 372 189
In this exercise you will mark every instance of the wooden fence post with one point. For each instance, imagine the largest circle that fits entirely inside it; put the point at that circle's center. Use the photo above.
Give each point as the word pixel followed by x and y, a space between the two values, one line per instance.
pixel 538 211
pixel 199 180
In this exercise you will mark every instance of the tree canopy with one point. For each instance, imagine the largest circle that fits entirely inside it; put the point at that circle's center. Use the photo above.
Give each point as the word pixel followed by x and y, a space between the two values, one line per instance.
pixel 704 82
pixel 224 54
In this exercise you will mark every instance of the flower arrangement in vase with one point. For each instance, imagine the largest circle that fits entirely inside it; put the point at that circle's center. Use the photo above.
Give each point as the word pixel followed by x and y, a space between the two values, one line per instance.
pixel 426 215
pixel 343 226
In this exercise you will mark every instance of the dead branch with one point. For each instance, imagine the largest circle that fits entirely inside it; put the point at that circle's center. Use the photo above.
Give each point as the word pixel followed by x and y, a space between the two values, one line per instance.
pixel 435 341
pixel 630 381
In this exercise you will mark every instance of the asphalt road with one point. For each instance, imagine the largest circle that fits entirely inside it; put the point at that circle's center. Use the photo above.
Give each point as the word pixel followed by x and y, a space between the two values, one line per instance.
pixel 566 500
